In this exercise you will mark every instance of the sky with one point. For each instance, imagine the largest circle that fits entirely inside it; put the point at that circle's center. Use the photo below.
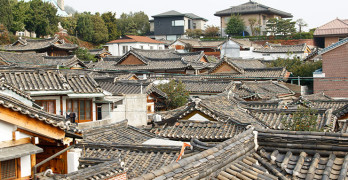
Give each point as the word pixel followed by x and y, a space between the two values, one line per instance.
pixel 314 12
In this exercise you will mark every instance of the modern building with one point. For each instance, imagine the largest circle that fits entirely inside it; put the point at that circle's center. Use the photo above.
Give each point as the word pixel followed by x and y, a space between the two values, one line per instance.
pixel 250 10
pixel 172 25
pixel 121 46
pixel 331 32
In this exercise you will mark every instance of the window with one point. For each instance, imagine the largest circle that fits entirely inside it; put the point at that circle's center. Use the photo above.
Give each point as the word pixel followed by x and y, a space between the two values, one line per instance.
pixel 8 169
pixel 178 23
pixel 264 20
pixel 194 26
pixel 141 47
pixel 151 47
pixel 266 54
pixel 124 49
pixel 82 108
pixel 160 48
pixel 48 105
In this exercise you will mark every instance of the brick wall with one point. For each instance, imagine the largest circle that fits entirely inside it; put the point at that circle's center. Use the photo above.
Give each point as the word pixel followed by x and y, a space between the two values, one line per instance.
pixel 330 40
pixel 131 60
pixel 335 67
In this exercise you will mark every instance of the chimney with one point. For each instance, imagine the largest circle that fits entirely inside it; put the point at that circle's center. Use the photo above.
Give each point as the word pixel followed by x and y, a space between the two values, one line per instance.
pixel 61 4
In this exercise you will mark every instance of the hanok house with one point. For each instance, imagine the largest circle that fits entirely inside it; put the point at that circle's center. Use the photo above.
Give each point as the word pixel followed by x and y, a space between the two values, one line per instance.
pixel 100 53
pixel 332 78
pixel 29 136
pixel 331 32
pixel 193 45
pixel 58 92
pixel 155 63
pixel 270 52
pixel 251 9
pixel 52 46
pixel 243 69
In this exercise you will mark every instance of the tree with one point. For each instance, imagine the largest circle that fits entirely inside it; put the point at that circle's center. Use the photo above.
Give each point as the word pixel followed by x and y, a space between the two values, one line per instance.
pixel 133 23
pixel 305 119
pixel 176 92
pixel 211 31
pixel 235 26
pixel 301 23
pixel 84 27
pixel 6 17
pixel 110 22
pixel 69 23
pixel 41 18
pixel 252 22
pixel 19 12
pixel 194 33
pixel 271 26
pixel 84 55
pixel 142 23
pixel 100 30
pixel 285 27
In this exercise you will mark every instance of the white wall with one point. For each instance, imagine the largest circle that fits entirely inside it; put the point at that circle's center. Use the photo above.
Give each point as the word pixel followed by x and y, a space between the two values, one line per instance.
pixel 136 111
pixel 200 24
pixel 275 56
pixel 6 130
pixel 198 117
pixel 73 159
pixel 116 49
pixel 25 166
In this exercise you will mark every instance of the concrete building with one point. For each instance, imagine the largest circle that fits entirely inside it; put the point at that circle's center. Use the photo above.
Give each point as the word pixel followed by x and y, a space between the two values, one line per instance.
pixel 121 46
pixel 250 10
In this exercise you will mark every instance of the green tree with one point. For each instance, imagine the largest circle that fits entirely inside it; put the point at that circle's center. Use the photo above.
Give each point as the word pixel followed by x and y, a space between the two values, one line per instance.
pixel 285 27
pixel 211 31
pixel 235 26
pixel 19 12
pixel 100 30
pixel 133 23
pixel 84 27
pixel 84 55
pixel 6 17
pixel 142 23
pixel 176 92
pixel 305 119
pixel 271 26
pixel 69 23
pixel 41 18
pixel 110 22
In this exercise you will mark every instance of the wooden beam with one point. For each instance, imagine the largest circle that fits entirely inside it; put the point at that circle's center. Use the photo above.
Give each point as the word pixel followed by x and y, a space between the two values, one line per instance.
pixel 11 143
pixel 33 163
pixel 35 135
pixel 19 170
pixel 31 124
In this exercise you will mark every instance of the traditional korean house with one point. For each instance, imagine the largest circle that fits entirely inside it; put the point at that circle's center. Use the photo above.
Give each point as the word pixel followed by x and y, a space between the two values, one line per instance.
pixel 270 52
pixel 242 69
pixel 30 135
pixel 155 62
pixel 58 92
pixel 52 46
pixel 202 88
pixel 100 53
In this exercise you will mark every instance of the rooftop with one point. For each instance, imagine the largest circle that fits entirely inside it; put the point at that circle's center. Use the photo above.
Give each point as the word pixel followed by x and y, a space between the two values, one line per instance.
pixel 132 39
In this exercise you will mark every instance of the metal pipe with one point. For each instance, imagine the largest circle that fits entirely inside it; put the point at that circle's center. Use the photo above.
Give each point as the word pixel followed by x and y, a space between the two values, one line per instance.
pixel 50 158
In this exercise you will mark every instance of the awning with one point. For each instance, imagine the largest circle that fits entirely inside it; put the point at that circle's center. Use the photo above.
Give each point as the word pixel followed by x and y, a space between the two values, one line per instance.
pixel 18 151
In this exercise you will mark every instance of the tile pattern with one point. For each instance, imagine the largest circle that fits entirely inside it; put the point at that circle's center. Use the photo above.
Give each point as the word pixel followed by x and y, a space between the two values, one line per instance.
pixel 299 48
pixel 196 86
pixel 203 131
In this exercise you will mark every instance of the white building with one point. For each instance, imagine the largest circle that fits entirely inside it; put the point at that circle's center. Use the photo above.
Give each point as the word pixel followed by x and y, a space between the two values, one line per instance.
pixel 121 46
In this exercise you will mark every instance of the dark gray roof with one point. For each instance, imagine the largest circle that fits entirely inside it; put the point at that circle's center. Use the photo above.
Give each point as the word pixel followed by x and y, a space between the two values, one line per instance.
pixel 97 52
pixel 50 80
pixel 195 17
pixel 130 87
pixel 169 14
pixel 300 48
pixel 316 97
pixel 186 130
pixel 118 133
pixel 252 8
pixel 38 44
pixel 202 86
pixel 18 151
pixel 64 61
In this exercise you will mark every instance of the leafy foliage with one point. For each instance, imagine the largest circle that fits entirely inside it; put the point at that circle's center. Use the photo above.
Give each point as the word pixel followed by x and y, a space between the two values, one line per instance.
pixel 100 30
pixel 6 17
pixel 254 30
pixel 110 22
pixel 134 23
pixel 19 10
pixel 69 23
pixel 297 67
pixel 280 26
pixel 212 31
pixel 235 25
pixel 85 26
pixel 176 92
pixel 5 36
pixel 194 33
pixel 305 119
pixel 84 55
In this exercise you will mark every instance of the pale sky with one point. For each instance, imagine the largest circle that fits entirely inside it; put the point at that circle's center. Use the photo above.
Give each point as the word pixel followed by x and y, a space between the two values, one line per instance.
pixel 314 12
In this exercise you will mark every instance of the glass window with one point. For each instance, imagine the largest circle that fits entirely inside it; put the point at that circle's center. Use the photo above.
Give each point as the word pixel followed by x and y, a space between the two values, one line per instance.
pixel 88 110
pixel 82 109
pixel 151 47
pixel 48 105
pixel 124 49
pixel 178 23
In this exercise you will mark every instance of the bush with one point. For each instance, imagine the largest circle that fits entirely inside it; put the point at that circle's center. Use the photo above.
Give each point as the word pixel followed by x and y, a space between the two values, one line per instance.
pixel 176 92
pixel 305 119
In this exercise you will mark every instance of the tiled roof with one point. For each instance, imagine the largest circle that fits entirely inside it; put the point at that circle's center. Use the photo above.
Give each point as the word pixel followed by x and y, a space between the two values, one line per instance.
pixel 129 38
pixel 169 13
pixel 37 44
pixel 316 97
pixel 261 89
pixel 219 107
pixel 98 51
pixel 138 159
pixel 195 17
pixel 50 80
pixel 300 48
pixel 274 118
pixel 328 104
pixel 116 134
pixel 130 87
pixel 4 84
pixel 204 131
pixel 252 8
pixel 197 43
pixel 206 86
pixel 241 64
pixel 64 61
pixel 334 27
pixel 48 118
pixel 261 104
